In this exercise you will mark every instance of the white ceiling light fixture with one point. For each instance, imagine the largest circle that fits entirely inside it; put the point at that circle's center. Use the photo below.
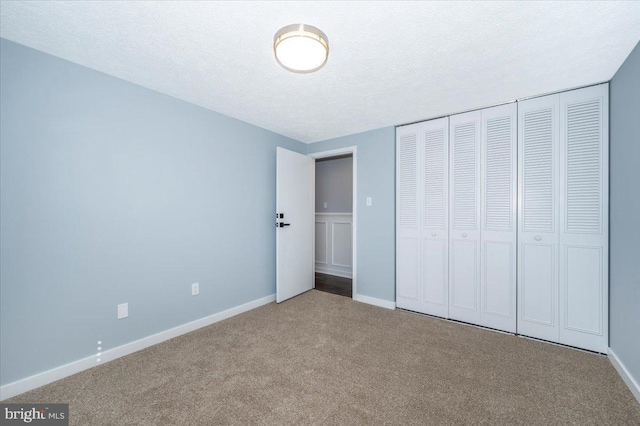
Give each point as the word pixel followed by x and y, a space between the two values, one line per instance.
pixel 301 48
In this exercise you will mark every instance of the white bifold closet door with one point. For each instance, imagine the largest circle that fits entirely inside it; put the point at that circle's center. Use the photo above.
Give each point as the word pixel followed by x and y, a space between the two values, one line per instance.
pixel 464 211
pixel 407 231
pixel 482 253
pixel 563 218
pixel 538 152
pixel 422 151
pixel 498 212
pixel 584 218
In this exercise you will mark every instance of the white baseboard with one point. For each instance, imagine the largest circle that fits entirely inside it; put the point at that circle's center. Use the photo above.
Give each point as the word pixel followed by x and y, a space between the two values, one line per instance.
pixel 624 373
pixel 32 382
pixel 331 271
pixel 374 301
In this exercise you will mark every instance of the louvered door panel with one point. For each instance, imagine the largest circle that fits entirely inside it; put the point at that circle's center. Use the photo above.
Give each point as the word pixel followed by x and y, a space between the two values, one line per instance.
pixel 583 162
pixel 464 235
pixel 538 176
pixel 408 252
pixel 465 168
pixel 408 180
pixel 435 178
pixel 498 167
pixel 434 233
pixel 498 213
pixel 584 216
pixel 538 173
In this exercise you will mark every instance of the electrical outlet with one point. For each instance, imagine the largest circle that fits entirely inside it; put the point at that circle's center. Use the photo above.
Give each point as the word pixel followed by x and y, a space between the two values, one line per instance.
pixel 123 310
pixel 325 204
pixel 369 201
pixel 195 289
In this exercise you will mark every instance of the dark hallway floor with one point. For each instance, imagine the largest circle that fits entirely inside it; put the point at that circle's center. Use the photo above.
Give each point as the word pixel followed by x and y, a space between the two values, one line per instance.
pixel 332 284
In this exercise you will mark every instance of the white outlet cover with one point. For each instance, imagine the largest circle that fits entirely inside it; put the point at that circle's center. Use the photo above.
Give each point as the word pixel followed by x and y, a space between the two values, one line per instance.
pixel 123 310
pixel 325 204
pixel 195 289
pixel 369 201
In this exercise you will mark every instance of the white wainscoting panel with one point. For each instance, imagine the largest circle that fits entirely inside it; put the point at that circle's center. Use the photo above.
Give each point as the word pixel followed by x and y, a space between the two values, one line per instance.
pixel 321 242
pixel 334 251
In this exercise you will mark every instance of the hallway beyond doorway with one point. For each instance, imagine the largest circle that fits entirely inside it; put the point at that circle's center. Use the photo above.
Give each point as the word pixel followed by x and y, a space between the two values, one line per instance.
pixel 333 284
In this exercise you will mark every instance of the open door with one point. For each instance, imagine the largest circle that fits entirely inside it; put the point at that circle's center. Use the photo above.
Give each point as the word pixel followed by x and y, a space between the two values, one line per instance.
pixel 295 211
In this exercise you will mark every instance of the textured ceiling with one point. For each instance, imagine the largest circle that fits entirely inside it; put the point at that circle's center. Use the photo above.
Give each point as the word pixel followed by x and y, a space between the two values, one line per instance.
pixel 390 62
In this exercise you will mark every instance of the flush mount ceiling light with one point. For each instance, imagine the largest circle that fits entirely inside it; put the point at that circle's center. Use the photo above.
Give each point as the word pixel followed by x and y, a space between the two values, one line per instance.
pixel 301 48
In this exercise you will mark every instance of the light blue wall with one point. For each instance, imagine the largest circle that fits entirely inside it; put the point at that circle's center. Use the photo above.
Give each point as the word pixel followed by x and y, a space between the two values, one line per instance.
pixel 624 212
pixel 376 224
pixel 114 193
pixel 334 185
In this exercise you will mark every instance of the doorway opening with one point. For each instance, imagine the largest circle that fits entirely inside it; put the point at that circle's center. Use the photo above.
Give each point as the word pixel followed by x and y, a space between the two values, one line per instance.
pixel 335 221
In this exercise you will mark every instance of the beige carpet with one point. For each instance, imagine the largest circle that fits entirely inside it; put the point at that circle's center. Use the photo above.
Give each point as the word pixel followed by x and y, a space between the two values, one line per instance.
pixel 325 359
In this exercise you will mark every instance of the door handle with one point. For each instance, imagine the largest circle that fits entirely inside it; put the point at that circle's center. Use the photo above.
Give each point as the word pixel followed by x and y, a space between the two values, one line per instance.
pixel 538 237
pixel 464 235
pixel 282 225
pixel 433 234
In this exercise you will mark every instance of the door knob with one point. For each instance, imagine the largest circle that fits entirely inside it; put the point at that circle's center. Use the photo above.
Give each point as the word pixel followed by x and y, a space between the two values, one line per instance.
pixel 433 234
pixel 464 235
pixel 538 237
pixel 282 225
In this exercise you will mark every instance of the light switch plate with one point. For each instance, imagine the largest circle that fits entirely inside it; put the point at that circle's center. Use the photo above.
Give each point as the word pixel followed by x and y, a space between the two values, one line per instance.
pixel 369 201
pixel 123 310
pixel 195 289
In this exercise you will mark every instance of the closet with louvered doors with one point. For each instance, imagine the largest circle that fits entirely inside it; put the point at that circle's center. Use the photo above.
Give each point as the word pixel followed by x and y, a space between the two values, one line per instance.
pixel 422 185
pixel 563 218
pixel 463 181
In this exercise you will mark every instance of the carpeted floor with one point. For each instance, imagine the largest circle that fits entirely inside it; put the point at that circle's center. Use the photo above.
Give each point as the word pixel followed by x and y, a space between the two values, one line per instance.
pixel 325 359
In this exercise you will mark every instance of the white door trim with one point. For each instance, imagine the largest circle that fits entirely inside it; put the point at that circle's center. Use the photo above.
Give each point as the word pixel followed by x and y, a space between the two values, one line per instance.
pixel 354 260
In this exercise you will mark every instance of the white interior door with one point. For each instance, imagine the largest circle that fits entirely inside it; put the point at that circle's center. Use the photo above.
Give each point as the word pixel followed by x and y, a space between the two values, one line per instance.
pixel 295 201
pixel 464 231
